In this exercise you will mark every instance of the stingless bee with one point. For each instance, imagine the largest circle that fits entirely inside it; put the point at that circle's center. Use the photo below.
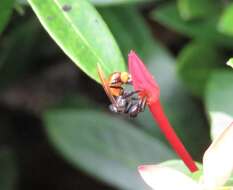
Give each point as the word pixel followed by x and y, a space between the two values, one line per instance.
pixel 122 101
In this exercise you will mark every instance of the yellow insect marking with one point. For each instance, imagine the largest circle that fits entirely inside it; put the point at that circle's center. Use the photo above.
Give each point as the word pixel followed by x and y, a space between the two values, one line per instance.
pixel 124 77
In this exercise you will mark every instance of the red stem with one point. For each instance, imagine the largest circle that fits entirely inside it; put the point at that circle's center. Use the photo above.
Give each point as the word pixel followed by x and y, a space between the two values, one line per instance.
pixel 160 117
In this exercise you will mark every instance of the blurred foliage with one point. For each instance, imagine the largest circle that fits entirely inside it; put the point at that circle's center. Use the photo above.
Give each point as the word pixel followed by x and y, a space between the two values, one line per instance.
pixel 198 9
pixel 218 100
pixel 5 12
pixel 203 29
pixel 226 20
pixel 13 67
pixel 196 61
pixel 8 172
pixel 102 143
pixel 184 43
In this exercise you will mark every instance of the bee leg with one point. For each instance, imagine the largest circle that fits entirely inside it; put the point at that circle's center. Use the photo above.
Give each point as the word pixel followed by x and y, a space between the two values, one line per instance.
pixel 121 104
pixel 142 104
pixel 126 95
pixel 113 108
pixel 132 109
pixel 128 106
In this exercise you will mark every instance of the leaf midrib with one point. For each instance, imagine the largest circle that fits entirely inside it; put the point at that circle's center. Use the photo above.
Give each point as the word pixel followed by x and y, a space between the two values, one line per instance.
pixel 78 32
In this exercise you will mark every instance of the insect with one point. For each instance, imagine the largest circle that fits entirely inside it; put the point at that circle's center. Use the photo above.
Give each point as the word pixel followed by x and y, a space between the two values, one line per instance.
pixel 122 101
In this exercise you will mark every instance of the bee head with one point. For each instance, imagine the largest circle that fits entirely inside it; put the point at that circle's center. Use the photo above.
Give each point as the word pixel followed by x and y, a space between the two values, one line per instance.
pixel 125 77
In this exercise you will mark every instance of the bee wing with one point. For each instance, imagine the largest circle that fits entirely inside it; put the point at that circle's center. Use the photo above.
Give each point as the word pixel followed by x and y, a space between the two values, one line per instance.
pixel 105 85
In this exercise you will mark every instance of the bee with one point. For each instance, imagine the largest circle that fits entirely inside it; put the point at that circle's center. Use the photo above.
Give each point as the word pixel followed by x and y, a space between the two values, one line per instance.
pixel 122 101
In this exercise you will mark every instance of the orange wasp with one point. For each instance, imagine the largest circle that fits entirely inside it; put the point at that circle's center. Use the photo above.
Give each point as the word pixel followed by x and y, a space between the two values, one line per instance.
pixel 122 100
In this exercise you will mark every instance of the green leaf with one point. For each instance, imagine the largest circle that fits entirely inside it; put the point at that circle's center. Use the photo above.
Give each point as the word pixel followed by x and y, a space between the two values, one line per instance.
pixel 197 9
pixel 8 174
pixel 81 33
pixel 195 63
pixel 104 146
pixel 5 12
pixel 230 62
pixel 116 2
pixel 225 22
pixel 180 166
pixel 105 2
pixel 185 116
pixel 204 29
pixel 219 101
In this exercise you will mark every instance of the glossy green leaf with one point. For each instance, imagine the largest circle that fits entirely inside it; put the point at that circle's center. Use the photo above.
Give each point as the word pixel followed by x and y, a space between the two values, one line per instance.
pixel 197 9
pixel 105 2
pixel 5 12
pixel 81 33
pixel 219 104
pixel 104 146
pixel 185 116
pixel 117 2
pixel 204 29
pixel 225 23
pixel 8 173
pixel 195 63
pixel 230 62
pixel 180 166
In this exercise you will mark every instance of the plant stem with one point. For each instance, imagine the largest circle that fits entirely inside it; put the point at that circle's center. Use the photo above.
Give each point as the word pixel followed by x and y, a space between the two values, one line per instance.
pixel 160 117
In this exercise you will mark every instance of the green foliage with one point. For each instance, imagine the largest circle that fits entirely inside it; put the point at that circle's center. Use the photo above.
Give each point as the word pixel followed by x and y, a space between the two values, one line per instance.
pixel 204 29
pixel 195 63
pixel 197 9
pixel 5 12
pixel 81 33
pixel 8 174
pixel 225 22
pixel 219 100
pixel 101 144
pixel 116 2
pixel 13 67
pixel 129 35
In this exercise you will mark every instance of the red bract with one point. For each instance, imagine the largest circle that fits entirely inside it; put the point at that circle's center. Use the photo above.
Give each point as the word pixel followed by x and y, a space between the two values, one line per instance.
pixel 144 81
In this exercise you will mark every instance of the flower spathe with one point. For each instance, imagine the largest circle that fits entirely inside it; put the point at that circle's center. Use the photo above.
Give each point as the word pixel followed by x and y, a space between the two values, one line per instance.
pixel 217 168
pixel 218 159
pixel 165 178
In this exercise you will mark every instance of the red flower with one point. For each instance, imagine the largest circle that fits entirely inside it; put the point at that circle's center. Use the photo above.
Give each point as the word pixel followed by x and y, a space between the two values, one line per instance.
pixel 145 82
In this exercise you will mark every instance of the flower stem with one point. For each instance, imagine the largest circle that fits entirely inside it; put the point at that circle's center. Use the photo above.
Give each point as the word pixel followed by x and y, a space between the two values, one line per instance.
pixel 160 117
